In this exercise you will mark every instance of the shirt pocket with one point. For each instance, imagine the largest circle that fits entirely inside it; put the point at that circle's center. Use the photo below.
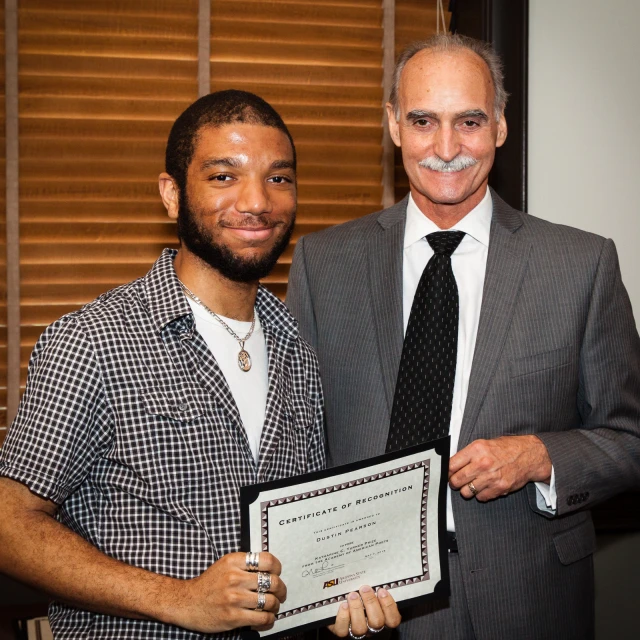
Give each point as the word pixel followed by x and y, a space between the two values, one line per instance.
pixel 179 405
pixel 176 422
pixel 539 362
pixel 300 412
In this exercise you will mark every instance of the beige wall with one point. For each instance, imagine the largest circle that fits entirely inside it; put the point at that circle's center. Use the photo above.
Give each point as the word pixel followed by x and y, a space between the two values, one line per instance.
pixel 584 124
pixel 584 171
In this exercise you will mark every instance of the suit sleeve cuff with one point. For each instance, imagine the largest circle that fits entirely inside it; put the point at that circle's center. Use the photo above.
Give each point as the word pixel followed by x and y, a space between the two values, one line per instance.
pixel 546 496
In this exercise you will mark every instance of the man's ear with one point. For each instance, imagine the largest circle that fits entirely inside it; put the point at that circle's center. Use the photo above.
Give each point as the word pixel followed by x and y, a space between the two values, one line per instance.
pixel 393 125
pixel 502 131
pixel 169 194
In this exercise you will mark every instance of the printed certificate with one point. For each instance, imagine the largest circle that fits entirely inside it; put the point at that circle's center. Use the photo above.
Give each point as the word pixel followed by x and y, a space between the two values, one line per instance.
pixel 379 522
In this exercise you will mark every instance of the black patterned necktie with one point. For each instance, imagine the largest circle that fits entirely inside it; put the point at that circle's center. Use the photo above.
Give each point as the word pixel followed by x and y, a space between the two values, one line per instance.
pixel 424 389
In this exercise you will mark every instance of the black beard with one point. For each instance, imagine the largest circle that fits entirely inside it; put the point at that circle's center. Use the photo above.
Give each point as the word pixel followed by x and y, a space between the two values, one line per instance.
pixel 218 256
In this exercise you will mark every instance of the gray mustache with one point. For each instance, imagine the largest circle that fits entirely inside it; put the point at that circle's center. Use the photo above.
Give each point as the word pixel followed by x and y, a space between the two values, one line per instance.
pixel 438 164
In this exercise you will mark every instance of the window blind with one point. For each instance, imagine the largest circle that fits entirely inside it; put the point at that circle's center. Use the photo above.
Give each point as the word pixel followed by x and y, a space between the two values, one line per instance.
pixel 100 85
pixel 320 65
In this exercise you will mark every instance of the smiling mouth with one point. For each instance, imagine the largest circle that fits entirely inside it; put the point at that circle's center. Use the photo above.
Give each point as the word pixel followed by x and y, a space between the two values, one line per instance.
pixel 252 233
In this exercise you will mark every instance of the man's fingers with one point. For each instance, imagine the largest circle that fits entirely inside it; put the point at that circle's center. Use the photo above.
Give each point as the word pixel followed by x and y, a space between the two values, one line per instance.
pixel 249 600
pixel 373 610
pixel 269 563
pixel 266 562
pixel 278 587
pixel 472 488
pixel 260 620
pixel 356 611
pixel 459 460
pixel 376 610
pixel 341 626
pixel 389 608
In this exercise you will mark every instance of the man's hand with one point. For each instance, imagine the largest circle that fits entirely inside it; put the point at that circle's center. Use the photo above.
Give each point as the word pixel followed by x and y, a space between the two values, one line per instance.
pixel 39 550
pixel 366 608
pixel 499 467
pixel 225 596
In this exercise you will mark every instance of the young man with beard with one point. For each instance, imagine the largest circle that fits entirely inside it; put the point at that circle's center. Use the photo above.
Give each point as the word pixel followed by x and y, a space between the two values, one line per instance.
pixel 147 410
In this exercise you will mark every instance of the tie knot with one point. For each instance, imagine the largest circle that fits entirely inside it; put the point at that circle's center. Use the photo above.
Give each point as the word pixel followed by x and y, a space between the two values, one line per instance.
pixel 445 242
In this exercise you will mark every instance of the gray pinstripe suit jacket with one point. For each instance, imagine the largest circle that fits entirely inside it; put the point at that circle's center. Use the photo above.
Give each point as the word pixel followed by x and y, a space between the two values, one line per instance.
pixel 557 354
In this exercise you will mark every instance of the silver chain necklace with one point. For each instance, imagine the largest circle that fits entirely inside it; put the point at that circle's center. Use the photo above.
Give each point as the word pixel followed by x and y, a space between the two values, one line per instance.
pixel 244 359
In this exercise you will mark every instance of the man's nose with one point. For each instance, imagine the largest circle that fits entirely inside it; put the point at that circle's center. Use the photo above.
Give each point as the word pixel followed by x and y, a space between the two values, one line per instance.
pixel 253 198
pixel 446 144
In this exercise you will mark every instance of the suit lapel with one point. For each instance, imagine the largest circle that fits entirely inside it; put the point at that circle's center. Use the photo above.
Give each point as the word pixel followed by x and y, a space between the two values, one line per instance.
pixel 509 248
pixel 384 255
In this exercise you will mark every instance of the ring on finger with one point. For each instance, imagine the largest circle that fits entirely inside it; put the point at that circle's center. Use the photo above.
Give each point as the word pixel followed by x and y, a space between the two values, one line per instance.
pixel 364 635
pixel 264 581
pixel 472 488
pixel 252 560
pixel 372 630
pixel 262 600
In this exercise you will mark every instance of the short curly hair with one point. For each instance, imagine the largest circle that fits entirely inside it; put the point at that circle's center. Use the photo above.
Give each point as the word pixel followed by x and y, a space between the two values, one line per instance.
pixel 216 110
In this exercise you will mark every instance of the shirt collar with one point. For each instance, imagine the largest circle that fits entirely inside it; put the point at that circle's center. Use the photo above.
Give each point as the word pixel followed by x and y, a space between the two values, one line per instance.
pixel 477 223
pixel 166 301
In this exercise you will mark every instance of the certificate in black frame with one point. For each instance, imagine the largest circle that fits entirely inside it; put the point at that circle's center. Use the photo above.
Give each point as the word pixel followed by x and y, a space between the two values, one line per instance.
pixel 249 494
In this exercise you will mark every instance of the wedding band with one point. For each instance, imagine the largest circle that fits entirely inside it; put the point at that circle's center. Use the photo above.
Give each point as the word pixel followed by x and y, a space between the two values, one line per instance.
pixel 252 560
pixel 264 581
pixel 473 490
pixel 371 630
pixel 364 635
pixel 262 600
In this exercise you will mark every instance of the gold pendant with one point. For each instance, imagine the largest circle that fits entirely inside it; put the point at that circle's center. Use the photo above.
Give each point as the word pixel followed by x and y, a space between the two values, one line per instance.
pixel 244 360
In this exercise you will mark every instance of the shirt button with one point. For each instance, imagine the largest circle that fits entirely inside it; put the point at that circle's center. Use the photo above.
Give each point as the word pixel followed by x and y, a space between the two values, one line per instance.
pixel 182 407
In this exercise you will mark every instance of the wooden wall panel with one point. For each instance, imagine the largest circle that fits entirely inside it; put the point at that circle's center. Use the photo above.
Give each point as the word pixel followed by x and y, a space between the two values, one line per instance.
pixel 320 65
pixel 100 85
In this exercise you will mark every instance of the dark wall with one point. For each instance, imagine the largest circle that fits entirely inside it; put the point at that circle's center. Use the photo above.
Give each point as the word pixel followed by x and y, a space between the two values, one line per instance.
pixel 504 23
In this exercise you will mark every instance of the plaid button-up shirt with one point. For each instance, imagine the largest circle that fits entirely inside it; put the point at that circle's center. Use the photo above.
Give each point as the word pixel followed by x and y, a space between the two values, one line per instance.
pixel 128 424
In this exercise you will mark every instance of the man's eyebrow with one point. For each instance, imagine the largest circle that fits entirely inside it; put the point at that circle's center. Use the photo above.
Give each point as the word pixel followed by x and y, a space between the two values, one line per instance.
pixel 473 113
pixel 420 113
pixel 283 164
pixel 233 163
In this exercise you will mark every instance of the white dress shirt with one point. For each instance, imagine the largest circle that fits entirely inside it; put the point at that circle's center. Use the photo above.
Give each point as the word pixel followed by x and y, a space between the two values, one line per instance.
pixel 469 263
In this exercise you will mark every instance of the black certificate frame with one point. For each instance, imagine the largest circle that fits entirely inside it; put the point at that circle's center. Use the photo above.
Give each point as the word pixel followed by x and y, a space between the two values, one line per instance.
pixel 249 494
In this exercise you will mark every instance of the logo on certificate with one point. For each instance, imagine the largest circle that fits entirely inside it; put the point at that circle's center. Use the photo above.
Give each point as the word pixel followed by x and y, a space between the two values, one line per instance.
pixel 331 583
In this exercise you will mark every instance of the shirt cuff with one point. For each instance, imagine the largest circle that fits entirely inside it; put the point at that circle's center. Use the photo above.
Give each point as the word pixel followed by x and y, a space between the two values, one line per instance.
pixel 546 497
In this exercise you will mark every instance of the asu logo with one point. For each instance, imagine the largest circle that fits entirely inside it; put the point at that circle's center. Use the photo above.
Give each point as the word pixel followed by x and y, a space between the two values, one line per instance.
pixel 330 583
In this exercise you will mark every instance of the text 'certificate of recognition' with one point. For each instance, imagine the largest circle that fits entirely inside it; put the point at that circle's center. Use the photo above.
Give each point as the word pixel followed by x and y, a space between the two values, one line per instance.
pixel 378 522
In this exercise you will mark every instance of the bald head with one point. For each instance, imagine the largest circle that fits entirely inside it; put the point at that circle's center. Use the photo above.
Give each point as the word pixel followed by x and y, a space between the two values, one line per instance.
pixel 447 43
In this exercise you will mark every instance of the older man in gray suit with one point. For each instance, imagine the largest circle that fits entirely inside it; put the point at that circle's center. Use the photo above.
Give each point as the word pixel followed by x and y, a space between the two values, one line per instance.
pixel 544 414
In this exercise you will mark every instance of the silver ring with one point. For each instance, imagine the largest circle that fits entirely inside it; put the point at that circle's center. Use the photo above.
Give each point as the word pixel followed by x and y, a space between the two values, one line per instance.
pixel 473 490
pixel 264 581
pixel 252 560
pixel 262 600
pixel 364 635
pixel 375 630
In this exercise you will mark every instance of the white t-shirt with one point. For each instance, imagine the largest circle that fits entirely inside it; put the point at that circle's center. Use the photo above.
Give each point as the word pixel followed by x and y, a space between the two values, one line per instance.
pixel 249 388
